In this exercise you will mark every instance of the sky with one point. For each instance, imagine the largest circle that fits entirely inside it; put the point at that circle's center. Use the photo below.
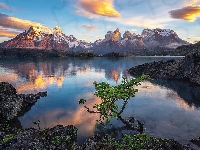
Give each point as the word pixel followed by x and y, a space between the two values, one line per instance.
pixel 90 20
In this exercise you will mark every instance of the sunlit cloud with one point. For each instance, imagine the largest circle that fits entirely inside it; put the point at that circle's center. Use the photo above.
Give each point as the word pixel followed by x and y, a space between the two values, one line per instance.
pixel 191 2
pixel 89 27
pixel 99 7
pixel 8 33
pixel 189 13
pixel 4 6
pixel 17 23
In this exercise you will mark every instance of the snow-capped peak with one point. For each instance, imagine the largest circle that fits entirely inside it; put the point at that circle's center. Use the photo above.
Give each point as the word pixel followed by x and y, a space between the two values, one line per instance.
pixel 57 29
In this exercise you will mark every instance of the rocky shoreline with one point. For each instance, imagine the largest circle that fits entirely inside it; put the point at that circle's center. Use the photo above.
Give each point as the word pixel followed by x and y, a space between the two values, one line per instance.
pixel 40 53
pixel 12 103
pixel 187 69
pixel 60 137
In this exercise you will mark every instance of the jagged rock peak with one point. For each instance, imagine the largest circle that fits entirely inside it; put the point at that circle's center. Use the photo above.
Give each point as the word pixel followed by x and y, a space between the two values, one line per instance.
pixel 37 30
pixel 57 29
pixel 158 31
pixel 113 36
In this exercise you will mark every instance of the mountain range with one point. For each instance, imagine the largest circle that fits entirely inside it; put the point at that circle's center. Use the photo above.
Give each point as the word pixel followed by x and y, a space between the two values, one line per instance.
pixel 36 38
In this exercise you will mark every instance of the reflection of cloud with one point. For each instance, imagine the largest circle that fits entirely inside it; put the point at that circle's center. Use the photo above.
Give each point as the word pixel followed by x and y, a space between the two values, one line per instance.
pixel 39 83
pixel 99 7
pixel 115 75
pixel 17 23
pixel 89 84
pixel 180 101
pixel 8 33
pixel 60 81
pixel 189 13
pixel 82 70
pixel 89 27
pixel 4 6
pixel 80 118
pixel 8 77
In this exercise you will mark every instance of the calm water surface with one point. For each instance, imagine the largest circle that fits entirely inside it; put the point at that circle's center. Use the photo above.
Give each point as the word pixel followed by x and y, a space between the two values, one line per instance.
pixel 170 109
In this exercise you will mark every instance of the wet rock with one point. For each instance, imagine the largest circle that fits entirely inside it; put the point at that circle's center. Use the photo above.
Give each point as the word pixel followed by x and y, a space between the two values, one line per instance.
pixel 187 69
pixel 12 103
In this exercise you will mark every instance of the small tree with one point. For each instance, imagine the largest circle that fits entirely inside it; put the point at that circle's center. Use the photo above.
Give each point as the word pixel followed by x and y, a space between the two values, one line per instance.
pixel 110 95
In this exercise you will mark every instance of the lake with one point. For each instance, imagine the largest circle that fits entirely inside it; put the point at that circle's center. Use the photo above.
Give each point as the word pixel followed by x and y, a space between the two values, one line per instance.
pixel 170 109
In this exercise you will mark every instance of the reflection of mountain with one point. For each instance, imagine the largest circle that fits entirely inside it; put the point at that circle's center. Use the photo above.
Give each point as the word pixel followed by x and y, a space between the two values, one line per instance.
pixel 189 92
pixel 39 74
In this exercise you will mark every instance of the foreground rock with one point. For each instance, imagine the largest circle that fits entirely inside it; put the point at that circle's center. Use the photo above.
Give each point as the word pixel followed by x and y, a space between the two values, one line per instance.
pixel 187 69
pixel 12 103
pixel 60 137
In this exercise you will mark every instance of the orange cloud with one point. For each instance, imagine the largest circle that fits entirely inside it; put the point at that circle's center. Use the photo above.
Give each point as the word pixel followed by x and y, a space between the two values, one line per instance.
pixel 4 6
pixel 17 23
pixel 89 27
pixel 99 7
pixel 189 13
pixel 8 33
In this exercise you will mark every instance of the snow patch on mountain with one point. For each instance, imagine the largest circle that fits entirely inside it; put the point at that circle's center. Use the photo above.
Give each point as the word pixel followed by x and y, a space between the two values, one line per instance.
pixel 54 38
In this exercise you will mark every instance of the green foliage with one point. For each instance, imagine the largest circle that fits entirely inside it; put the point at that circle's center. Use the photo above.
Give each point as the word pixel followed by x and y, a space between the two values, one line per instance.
pixel 110 94
pixel 6 138
pixel 37 122
pixel 138 141
pixel 9 133
pixel 82 101
pixel 57 140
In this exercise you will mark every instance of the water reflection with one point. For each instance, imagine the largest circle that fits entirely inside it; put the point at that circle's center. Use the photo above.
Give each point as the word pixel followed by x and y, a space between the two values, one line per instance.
pixel 169 108
pixel 185 91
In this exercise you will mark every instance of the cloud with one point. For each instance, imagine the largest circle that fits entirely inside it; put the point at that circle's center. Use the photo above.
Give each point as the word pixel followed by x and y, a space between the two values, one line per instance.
pixel 82 39
pixel 144 21
pixel 89 27
pixel 8 33
pixel 99 7
pixel 17 23
pixel 84 13
pixel 193 39
pixel 189 13
pixel 94 36
pixel 191 2
pixel 4 6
